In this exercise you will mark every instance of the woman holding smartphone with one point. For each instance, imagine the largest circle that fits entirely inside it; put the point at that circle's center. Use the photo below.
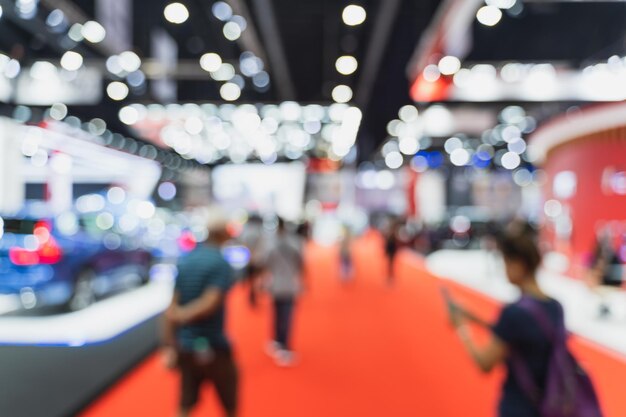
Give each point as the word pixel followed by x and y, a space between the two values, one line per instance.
pixel 516 331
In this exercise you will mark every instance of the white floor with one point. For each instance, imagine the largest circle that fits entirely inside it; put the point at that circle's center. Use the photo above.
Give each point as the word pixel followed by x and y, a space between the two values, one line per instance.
pixel 485 273
pixel 98 323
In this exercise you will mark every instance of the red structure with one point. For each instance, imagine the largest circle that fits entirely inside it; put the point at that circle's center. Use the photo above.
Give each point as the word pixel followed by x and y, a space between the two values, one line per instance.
pixel 584 157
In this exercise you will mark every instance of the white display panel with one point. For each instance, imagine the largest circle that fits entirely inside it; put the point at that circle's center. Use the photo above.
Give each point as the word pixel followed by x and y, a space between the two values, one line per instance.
pixel 84 89
pixel 11 178
pixel 98 323
pixel 6 89
pixel 267 189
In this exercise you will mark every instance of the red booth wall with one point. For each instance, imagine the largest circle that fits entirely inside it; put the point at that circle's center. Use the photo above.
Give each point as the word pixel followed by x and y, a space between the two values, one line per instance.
pixel 599 162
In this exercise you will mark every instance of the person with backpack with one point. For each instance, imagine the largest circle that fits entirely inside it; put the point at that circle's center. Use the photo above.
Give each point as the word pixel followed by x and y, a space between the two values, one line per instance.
pixel 544 379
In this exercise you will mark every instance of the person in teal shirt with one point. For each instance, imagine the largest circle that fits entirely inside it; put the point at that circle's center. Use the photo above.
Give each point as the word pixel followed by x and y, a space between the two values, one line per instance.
pixel 194 338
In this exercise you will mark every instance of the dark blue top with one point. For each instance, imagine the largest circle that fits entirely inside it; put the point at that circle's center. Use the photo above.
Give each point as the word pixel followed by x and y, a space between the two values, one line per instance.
pixel 202 269
pixel 521 332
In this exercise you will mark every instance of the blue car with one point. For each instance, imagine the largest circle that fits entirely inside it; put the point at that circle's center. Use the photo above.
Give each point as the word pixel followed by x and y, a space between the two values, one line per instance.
pixel 42 264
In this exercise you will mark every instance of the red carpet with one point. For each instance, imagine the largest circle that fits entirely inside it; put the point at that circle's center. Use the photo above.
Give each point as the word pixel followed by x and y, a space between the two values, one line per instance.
pixel 366 350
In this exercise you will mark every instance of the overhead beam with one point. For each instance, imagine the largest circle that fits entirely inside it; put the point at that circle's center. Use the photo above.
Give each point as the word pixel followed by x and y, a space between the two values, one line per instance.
pixel 75 14
pixel 33 26
pixel 186 69
pixel 249 40
pixel 449 27
pixel 268 25
pixel 376 50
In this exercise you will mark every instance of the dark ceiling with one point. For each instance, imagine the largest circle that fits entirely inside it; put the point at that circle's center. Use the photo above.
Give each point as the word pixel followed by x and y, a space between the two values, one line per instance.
pixel 311 35
pixel 575 32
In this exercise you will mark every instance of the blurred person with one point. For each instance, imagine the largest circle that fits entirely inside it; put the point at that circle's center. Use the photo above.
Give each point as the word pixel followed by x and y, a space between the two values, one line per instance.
pixel 392 244
pixel 194 339
pixel 605 274
pixel 285 265
pixel 530 337
pixel 253 238
pixel 489 245
pixel 345 254
pixel 304 230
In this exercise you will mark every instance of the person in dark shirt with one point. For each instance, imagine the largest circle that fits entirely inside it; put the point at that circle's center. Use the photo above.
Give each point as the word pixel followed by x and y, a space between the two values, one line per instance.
pixel 516 330
pixel 391 249
pixel 194 338
pixel 606 272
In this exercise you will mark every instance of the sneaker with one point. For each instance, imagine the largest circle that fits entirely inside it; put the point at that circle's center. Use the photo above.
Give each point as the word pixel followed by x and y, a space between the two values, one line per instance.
pixel 285 358
pixel 272 348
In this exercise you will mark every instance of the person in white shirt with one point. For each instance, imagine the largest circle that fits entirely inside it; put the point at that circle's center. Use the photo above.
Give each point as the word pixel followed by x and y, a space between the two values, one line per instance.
pixel 285 266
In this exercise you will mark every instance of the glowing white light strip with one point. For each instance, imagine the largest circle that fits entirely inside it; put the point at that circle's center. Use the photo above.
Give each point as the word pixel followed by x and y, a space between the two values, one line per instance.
pixel 100 322
pixel 565 129
pixel 541 82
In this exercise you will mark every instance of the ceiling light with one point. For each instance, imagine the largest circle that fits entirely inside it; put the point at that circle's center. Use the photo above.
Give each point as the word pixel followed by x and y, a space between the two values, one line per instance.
pixel 460 157
pixel 1 11
pixel 394 160
pixel 392 127
pixel 27 9
pixel 12 69
pixel 129 115
pixel 114 65
pixel 511 134
pixel 489 15
pixel 250 64
pixel 240 21
pixel 58 111
pixel 176 13
pixel 117 91
pixel 232 31
pixel 129 61
pixel 512 72
pixel 385 180
pixel 93 32
pixel 210 62
pixel 511 160
pixel 230 92
pixel 553 208
pixel 194 125
pixel 238 79
pixel 55 19
pixel 346 65
pixel 71 61
pixel 354 15
pixel 462 79
pixel 449 65
pixel 438 121
pixel 431 73
pixel 136 79
pixel 342 94
pixel 224 73
pixel 502 4
pixel 261 80
pixel 42 71
pixel 452 144
pixel 408 113
pixel 76 32
pixel 409 145
pixel 222 11
pixel 518 146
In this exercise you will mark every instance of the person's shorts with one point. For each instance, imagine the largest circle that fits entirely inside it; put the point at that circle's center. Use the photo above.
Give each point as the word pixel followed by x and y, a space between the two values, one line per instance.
pixel 221 371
